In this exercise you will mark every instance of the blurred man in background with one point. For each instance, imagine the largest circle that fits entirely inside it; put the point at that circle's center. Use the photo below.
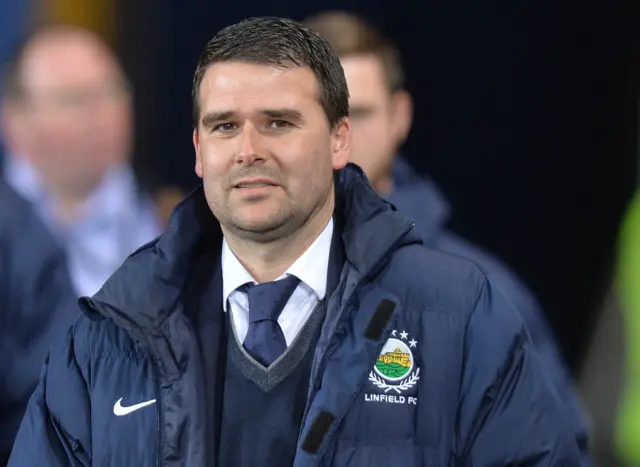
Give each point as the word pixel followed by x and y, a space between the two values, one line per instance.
pixel 381 113
pixel 37 303
pixel 67 121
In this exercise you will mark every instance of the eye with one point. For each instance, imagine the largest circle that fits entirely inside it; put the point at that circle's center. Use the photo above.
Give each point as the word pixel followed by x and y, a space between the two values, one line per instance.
pixel 360 113
pixel 225 127
pixel 279 124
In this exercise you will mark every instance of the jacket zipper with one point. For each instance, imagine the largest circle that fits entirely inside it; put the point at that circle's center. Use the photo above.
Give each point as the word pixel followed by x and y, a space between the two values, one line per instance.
pixel 158 393
pixel 157 388
pixel 311 391
pixel 323 363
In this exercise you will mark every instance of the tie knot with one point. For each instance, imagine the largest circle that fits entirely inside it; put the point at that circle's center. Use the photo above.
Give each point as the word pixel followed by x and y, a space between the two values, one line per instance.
pixel 267 300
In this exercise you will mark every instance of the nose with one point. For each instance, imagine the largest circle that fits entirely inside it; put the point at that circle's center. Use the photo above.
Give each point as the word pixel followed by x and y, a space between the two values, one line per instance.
pixel 250 146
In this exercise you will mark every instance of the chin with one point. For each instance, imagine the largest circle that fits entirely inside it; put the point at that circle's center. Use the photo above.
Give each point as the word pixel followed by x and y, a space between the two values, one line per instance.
pixel 258 225
pixel 262 229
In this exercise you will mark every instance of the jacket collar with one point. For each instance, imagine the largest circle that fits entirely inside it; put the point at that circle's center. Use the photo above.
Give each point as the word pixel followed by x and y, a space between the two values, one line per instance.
pixel 145 289
pixel 419 198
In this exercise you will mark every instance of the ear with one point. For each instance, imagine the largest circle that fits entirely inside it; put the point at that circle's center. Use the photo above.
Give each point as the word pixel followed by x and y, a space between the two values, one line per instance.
pixel 341 144
pixel 196 147
pixel 402 115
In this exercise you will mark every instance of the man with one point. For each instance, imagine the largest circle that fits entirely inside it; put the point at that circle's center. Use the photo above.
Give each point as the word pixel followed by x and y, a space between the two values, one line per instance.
pixel 289 316
pixel 67 123
pixel 381 115
pixel 37 303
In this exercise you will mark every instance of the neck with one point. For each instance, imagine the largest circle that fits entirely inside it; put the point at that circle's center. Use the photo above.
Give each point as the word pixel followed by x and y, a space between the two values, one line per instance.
pixel 383 185
pixel 68 201
pixel 67 210
pixel 268 261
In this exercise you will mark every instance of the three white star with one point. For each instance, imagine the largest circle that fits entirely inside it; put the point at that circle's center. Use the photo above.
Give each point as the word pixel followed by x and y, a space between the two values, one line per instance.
pixel 405 335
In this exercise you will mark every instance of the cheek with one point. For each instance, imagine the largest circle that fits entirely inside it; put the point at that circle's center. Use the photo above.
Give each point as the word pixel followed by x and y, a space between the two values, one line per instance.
pixel 369 139
pixel 215 173
pixel 51 140
pixel 213 185
pixel 213 160
pixel 210 171
pixel 305 170
pixel 119 123
pixel 57 132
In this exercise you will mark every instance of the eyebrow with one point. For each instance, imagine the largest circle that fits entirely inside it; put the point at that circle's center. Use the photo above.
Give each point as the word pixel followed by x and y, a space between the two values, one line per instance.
pixel 210 119
pixel 361 109
pixel 290 114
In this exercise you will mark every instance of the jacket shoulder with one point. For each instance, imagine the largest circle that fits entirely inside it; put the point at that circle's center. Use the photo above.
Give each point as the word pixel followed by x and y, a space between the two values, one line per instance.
pixel 94 336
pixel 15 212
pixel 35 287
pixel 21 230
pixel 495 269
pixel 432 280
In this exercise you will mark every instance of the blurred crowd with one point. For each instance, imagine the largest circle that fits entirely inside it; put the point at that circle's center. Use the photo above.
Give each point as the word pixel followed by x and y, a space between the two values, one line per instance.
pixel 73 208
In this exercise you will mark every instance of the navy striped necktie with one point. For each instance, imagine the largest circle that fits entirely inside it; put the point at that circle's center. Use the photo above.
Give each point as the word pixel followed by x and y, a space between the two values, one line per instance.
pixel 265 340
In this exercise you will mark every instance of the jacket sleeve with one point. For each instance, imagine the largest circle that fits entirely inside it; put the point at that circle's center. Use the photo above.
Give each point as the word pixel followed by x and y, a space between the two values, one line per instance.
pixel 524 301
pixel 509 412
pixel 56 428
pixel 553 364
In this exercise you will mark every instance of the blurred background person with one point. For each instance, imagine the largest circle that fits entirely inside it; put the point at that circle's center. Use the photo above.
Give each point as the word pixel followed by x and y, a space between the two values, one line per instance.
pixel 601 381
pixel 37 305
pixel 37 301
pixel 67 123
pixel 381 113
pixel 627 426
pixel 610 379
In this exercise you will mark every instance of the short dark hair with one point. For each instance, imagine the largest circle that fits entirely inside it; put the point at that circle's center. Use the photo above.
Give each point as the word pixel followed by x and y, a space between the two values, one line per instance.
pixel 281 43
pixel 349 35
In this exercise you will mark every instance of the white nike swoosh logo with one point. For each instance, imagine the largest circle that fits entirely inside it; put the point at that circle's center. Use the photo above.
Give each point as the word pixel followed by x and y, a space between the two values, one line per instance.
pixel 119 410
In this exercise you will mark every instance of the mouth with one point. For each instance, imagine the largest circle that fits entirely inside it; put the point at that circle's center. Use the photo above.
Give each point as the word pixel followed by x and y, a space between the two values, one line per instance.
pixel 255 184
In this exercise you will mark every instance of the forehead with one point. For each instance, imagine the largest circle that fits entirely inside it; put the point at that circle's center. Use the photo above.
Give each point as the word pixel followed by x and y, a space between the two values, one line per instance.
pixel 67 61
pixel 365 77
pixel 234 86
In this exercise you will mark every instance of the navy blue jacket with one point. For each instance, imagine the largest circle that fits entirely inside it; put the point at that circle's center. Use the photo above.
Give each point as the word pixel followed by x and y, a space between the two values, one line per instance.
pixel 36 304
pixel 465 386
pixel 421 200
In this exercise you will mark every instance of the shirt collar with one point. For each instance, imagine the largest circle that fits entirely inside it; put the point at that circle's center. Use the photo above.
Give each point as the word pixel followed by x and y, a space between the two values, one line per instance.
pixel 112 198
pixel 23 178
pixel 311 267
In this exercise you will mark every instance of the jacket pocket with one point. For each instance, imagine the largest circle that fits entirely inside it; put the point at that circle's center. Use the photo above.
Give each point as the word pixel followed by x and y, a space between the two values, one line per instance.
pixel 73 447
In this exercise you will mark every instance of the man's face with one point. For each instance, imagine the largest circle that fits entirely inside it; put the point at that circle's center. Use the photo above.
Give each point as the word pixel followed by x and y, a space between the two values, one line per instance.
pixel 375 116
pixel 75 121
pixel 265 150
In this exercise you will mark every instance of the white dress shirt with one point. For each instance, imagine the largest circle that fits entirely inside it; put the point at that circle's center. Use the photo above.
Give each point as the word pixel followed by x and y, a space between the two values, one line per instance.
pixel 311 268
pixel 116 221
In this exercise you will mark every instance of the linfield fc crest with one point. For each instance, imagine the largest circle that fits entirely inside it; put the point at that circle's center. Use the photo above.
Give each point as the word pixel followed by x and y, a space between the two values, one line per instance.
pixel 395 371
